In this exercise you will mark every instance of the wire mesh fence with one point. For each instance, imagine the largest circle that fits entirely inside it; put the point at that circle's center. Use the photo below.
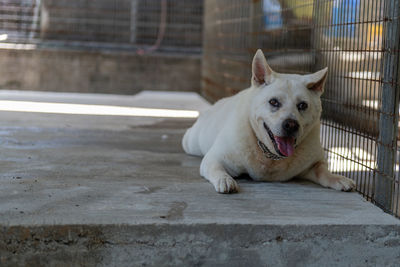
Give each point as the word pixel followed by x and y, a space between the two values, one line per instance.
pixel 121 24
pixel 357 39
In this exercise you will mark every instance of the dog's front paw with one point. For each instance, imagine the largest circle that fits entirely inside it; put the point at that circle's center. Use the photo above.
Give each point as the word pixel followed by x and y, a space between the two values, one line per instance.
pixel 226 185
pixel 342 183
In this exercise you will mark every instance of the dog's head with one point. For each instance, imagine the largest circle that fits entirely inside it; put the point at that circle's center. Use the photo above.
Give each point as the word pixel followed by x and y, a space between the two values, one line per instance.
pixel 285 107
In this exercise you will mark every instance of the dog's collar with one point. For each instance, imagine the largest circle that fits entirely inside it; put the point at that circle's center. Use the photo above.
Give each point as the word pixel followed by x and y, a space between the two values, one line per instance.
pixel 267 153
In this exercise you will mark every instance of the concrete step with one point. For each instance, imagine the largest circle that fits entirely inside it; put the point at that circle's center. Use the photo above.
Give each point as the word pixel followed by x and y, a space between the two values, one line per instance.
pixel 85 190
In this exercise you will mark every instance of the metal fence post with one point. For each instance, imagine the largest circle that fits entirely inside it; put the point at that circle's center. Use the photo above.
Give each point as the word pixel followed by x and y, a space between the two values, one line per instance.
pixel 388 121
pixel 255 22
pixel 134 7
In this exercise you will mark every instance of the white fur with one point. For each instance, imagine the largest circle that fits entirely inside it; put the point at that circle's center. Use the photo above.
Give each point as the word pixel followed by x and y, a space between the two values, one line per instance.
pixel 226 134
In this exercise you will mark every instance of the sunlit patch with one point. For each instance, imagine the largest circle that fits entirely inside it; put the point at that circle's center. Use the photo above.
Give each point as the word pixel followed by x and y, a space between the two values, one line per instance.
pixel 365 75
pixel 3 37
pixel 373 104
pixel 351 56
pixel 17 46
pixel 100 110
pixel 354 159
pixel 361 154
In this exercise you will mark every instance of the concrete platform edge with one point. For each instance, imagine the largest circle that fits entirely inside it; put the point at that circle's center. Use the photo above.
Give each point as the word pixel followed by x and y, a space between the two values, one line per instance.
pixel 200 244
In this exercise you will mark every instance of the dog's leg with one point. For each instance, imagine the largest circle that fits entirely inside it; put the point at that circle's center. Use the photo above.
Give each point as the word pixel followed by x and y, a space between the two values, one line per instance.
pixel 320 174
pixel 212 169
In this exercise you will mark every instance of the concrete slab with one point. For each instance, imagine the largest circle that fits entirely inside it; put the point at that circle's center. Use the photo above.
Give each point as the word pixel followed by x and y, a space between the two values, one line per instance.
pixel 119 191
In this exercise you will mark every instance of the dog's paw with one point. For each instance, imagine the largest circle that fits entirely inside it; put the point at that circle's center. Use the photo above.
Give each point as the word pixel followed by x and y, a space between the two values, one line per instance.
pixel 342 183
pixel 226 185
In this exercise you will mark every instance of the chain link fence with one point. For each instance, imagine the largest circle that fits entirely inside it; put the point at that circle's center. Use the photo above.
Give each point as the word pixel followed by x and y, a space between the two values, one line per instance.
pixel 357 39
pixel 173 25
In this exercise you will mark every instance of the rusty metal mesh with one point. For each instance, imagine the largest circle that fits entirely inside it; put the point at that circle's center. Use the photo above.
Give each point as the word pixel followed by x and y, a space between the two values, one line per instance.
pixel 357 39
pixel 120 24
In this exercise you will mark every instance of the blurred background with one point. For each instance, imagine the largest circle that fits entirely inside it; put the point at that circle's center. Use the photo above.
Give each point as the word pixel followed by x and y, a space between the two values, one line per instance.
pixel 105 46
pixel 126 46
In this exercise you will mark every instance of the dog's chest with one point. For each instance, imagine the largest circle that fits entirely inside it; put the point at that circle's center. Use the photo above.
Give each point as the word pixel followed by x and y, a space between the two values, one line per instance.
pixel 261 168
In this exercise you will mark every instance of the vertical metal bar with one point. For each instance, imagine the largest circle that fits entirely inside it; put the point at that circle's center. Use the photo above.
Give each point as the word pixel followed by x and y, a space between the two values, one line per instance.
pixel 388 122
pixel 365 46
pixel 133 24
pixel 35 19
pixel 255 23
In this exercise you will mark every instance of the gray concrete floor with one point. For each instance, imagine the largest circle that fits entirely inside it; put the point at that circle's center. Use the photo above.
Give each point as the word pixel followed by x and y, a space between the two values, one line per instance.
pixel 86 169
pixel 90 190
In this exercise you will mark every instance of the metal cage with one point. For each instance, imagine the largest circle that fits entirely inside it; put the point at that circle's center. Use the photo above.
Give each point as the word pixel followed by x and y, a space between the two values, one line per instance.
pixel 121 24
pixel 357 39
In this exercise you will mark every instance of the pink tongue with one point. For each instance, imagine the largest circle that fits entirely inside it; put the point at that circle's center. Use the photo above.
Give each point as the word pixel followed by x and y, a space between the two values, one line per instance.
pixel 285 145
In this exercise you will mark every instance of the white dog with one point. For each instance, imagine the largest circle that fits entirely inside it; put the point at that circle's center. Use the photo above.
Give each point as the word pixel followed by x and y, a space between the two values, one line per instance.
pixel 269 131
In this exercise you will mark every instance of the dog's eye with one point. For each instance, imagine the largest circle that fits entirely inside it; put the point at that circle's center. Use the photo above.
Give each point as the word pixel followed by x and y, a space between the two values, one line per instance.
pixel 302 106
pixel 275 103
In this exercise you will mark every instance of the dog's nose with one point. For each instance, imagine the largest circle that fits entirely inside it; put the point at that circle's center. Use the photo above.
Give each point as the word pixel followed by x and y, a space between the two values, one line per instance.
pixel 290 126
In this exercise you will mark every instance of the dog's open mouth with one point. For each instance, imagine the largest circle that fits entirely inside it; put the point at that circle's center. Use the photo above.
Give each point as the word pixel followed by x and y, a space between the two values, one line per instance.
pixel 284 146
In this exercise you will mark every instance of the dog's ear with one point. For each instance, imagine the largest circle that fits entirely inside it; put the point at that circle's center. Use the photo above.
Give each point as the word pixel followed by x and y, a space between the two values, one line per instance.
pixel 262 73
pixel 316 81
